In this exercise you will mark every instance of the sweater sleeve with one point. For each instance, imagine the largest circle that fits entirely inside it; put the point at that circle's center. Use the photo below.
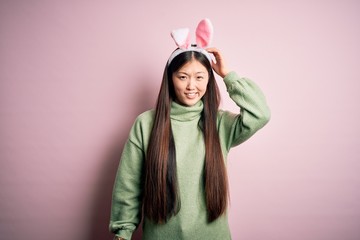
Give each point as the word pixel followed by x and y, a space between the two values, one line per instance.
pixel 127 192
pixel 254 112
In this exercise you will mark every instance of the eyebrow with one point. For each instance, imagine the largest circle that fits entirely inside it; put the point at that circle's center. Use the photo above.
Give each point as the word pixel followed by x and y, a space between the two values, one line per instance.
pixel 189 74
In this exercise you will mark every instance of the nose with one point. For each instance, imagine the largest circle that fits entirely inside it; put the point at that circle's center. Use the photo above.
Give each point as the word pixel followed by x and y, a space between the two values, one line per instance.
pixel 191 84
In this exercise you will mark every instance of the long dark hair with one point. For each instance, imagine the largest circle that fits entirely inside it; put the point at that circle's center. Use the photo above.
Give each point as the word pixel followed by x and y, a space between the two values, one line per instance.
pixel 161 197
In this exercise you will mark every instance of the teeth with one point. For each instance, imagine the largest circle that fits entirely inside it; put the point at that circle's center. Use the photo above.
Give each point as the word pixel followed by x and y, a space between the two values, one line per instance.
pixel 190 94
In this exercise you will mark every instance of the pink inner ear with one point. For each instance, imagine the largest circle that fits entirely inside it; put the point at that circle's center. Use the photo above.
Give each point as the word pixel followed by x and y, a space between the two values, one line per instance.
pixel 204 33
pixel 181 37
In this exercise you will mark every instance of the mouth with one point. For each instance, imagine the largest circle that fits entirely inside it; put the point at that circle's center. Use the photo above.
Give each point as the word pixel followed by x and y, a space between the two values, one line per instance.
pixel 191 95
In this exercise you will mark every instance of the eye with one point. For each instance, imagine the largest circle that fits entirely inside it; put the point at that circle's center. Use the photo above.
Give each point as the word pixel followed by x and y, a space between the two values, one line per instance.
pixel 182 77
pixel 199 78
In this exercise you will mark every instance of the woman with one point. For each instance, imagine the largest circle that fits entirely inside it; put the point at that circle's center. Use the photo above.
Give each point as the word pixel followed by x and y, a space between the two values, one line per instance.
pixel 173 166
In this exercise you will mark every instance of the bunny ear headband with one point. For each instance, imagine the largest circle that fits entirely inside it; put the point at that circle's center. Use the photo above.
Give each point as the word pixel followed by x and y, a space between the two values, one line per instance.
pixel 204 33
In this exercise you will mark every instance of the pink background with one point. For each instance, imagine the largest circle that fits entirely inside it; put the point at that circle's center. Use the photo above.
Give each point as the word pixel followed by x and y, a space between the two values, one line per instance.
pixel 75 74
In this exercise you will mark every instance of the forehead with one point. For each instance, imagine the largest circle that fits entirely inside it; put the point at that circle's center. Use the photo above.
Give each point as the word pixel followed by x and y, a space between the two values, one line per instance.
pixel 193 66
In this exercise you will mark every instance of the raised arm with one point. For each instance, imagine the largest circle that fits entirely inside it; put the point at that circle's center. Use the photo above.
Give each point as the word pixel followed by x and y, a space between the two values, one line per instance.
pixel 254 112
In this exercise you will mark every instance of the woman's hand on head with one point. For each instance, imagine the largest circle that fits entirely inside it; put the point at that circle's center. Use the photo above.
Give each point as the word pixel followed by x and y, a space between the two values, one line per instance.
pixel 219 66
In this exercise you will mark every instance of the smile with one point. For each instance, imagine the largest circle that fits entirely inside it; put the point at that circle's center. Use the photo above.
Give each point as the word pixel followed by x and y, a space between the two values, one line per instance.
pixel 191 95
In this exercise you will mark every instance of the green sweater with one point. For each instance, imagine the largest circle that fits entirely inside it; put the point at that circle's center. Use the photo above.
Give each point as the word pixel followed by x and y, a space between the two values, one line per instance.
pixel 191 221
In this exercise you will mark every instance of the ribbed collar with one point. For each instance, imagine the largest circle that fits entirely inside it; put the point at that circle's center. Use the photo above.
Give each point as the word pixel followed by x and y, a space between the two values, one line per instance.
pixel 185 113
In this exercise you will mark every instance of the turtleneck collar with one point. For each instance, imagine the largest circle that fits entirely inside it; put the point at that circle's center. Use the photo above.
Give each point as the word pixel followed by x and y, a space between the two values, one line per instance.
pixel 184 113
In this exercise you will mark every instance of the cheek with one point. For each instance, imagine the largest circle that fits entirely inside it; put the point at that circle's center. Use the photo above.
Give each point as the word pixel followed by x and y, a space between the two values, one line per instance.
pixel 179 86
pixel 203 86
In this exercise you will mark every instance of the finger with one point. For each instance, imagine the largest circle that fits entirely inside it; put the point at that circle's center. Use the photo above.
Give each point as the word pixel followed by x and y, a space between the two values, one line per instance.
pixel 218 56
pixel 214 51
pixel 211 49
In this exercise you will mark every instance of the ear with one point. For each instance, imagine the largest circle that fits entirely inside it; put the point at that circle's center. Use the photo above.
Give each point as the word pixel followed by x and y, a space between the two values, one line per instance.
pixel 204 33
pixel 181 37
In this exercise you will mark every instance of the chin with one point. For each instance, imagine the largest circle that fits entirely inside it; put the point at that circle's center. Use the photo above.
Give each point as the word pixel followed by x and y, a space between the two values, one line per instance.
pixel 191 103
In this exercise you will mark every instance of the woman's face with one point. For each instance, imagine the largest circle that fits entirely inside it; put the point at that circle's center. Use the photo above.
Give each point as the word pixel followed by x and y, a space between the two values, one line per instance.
pixel 190 83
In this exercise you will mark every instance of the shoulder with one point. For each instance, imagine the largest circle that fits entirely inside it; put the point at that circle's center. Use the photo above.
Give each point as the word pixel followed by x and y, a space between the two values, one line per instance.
pixel 149 114
pixel 224 115
pixel 145 118
pixel 143 122
pixel 226 119
pixel 141 128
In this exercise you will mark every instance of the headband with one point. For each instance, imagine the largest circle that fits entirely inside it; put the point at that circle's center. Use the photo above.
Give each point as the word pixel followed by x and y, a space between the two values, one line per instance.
pixel 204 33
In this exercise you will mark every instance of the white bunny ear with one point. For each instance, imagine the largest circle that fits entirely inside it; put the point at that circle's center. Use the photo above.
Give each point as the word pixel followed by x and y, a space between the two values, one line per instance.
pixel 181 37
pixel 204 33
